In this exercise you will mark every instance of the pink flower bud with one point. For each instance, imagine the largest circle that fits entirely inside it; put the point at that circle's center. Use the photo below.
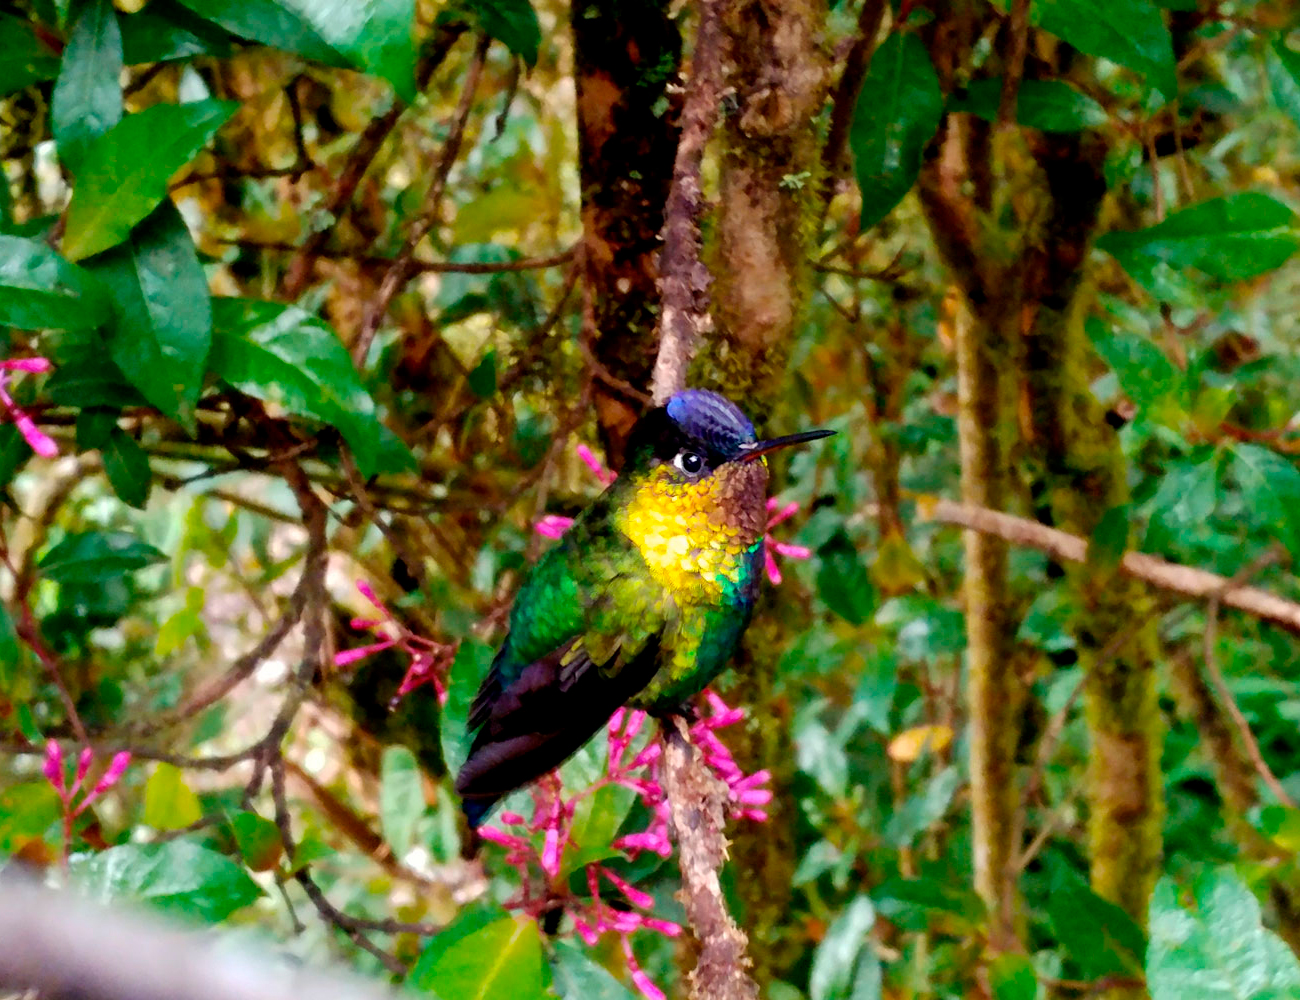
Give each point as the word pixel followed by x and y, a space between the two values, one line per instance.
pixel 551 852
pixel 553 526
pixel 369 594
pixel 792 551
pixel 770 566
pixel 34 365
pixel 495 836
pixel 635 896
pixel 116 768
pixel 595 465
pixel 512 818
pixel 639 979
pixel 344 657
pixel 53 769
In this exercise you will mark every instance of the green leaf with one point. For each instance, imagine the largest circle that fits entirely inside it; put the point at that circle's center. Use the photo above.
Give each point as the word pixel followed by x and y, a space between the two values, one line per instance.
pixel 467 671
pixel 127 468
pixel 40 290
pixel 165 30
pixel 162 313
pixel 10 649
pixel 596 822
pixel 14 453
pixel 1233 238
pixel 1143 371
pixel 27 59
pixel 95 425
pixel 118 185
pixel 376 36
pixel 87 98
pixel 923 809
pixel 1109 538
pixel 91 557
pixel 268 22
pixel 845 966
pixel 1012 978
pixel 877 684
pixel 176 876
pixel 576 977
pixel 27 810
pixel 258 840
pixel 843 581
pixel 169 804
pixel 1218 948
pixel 1099 936
pixel 1129 32
pixel 513 23
pixel 1283 67
pixel 1271 485
pixel 897 113
pixel 401 798
pixel 287 357
pixel 1047 105
pixel 500 961
pixel 483 379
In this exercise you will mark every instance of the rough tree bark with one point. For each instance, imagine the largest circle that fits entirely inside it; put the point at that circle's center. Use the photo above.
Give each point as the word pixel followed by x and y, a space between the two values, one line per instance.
pixel 625 54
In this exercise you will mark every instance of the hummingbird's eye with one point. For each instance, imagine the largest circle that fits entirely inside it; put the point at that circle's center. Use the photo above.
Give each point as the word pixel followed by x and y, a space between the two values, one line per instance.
pixel 689 462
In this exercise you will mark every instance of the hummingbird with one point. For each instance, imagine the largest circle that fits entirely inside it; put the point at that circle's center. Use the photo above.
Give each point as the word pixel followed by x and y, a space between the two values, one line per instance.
pixel 641 603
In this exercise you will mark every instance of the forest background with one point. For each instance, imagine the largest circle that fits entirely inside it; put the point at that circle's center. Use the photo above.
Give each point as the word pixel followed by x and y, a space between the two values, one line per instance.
pixel 317 319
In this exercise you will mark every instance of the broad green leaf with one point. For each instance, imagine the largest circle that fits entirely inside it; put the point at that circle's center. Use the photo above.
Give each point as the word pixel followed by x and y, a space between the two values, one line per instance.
pixel 401 798
pixel 843 581
pixel 513 23
pixel 118 184
pixel 1109 538
pixel 1047 105
pixel 127 468
pixel 268 22
pixel 40 290
pixel 14 452
pixel 162 313
pixel 176 876
pixel 575 976
pixel 376 36
pixel 95 425
pixel 1012 978
pixel 1283 65
pixel 923 809
pixel 85 379
pixel 27 59
pixel 483 379
pixel 596 822
pixel 1129 32
pixel 896 116
pixel 1099 936
pixel 1271 485
pixel 27 811
pixel 467 672
pixel 87 98
pixel 287 357
pixel 874 697
pixel 845 966
pixel 165 30
pixel 169 804
pixel 500 961
pixel 1218 949
pixel 258 840
pixel 1233 238
pixel 94 556
pixel 1144 373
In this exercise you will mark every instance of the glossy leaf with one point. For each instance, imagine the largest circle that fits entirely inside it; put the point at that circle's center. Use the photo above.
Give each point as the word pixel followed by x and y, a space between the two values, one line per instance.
pixel 1271 485
pixel 596 822
pixel 27 58
pixel 1047 105
pixel 162 313
pixel 87 98
pixel 176 876
pixel 127 468
pixel 169 804
pixel 117 186
pixel 500 961
pixel 94 556
pixel 896 116
pixel 1283 65
pixel 1129 32
pixel 513 23
pixel 467 672
pixel 401 798
pixel 845 966
pixel 165 30
pixel 575 976
pixel 376 36
pixel 40 290
pixel 1241 236
pixel 289 358
pixel 1217 948
pixel 268 22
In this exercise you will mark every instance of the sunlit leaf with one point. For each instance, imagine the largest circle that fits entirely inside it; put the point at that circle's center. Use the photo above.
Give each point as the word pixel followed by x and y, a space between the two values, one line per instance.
pixel 176 876
pixel 500 961
pixel 845 966
pixel 40 290
pixel 87 98
pixel 169 804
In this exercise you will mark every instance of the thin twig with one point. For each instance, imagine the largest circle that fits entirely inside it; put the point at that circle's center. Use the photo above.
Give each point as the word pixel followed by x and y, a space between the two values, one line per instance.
pixel 1013 62
pixel 401 269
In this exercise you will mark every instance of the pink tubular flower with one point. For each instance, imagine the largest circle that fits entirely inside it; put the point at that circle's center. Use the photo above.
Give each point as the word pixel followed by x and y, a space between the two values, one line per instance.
pixel 555 525
pixel 536 847
pixel 40 442
pixel 54 774
pixel 430 661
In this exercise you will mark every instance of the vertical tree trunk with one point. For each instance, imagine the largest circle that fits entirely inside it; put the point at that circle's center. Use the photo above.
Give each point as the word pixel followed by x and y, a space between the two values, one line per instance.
pixel 626 54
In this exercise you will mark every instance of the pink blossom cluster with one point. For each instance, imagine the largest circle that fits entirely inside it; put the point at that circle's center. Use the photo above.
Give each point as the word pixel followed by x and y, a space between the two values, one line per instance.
pixel 555 525
pixel 54 774
pixel 40 442
pixel 537 844
pixel 430 660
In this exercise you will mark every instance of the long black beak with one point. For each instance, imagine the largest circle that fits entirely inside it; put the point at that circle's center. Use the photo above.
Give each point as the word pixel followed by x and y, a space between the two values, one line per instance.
pixel 753 451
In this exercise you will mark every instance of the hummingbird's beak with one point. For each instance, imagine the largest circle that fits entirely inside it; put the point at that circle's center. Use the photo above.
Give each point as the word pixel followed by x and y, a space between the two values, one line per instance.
pixel 749 452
